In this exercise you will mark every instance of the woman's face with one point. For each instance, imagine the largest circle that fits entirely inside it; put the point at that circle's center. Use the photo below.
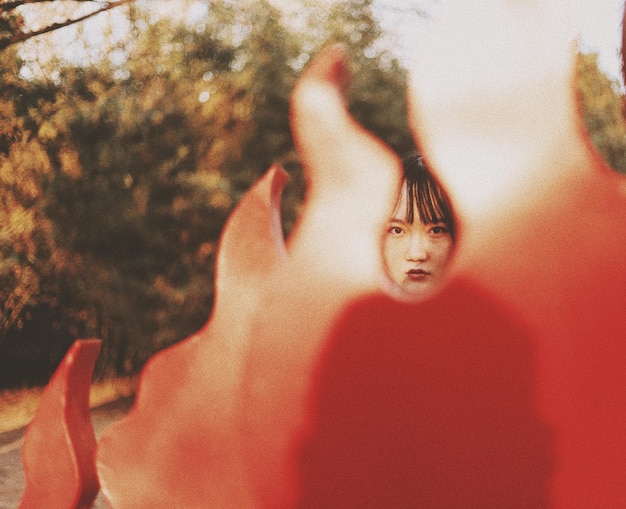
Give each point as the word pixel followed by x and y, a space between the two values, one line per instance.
pixel 416 254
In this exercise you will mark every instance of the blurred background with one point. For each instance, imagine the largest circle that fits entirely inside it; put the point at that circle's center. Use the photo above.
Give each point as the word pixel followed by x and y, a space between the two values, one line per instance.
pixel 126 138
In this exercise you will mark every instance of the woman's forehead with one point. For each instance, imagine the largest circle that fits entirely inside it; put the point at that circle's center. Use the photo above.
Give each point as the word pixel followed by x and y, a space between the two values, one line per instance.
pixel 430 212
pixel 400 211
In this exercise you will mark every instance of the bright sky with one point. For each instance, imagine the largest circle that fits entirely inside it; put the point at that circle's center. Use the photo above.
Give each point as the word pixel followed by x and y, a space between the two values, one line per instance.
pixel 598 22
pixel 600 25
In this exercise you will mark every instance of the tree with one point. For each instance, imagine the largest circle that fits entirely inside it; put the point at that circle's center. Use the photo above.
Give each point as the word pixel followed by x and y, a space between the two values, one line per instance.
pixel 160 163
pixel 602 110
pixel 145 157
pixel 32 264
pixel 13 30
pixel 129 166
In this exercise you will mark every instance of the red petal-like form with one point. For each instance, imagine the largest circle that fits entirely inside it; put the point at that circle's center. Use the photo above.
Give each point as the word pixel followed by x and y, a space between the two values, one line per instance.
pixel 216 416
pixel 313 385
pixel 543 220
pixel 428 405
pixel 334 258
pixel 181 446
pixel 59 445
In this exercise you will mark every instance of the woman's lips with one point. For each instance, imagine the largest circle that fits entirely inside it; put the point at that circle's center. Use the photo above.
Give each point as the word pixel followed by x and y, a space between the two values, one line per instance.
pixel 417 274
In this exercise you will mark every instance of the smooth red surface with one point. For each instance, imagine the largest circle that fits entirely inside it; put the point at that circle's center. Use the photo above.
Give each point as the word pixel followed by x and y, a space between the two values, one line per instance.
pixel 181 445
pixel 315 384
pixel 59 445
pixel 427 406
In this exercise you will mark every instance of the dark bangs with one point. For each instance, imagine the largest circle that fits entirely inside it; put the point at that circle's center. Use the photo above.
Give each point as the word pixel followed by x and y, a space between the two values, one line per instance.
pixel 425 194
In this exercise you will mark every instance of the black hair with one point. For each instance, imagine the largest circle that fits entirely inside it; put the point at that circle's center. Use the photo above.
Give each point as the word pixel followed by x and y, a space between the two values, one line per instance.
pixel 425 194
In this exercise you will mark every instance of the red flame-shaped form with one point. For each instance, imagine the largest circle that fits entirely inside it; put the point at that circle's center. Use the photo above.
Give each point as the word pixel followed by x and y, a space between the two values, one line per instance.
pixel 60 447
pixel 314 385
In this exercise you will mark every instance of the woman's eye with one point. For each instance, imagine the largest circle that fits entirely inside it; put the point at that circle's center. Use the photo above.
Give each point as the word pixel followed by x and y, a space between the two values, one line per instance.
pixel 395 230
pixel 439 230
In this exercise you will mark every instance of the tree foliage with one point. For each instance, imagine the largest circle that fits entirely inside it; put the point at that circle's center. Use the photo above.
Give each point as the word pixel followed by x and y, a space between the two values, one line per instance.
pixel 133 165
pixel 603 111
pixel 118 174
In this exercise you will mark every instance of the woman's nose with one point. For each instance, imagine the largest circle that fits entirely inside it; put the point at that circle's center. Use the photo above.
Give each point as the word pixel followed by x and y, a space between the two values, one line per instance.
pixel 417 249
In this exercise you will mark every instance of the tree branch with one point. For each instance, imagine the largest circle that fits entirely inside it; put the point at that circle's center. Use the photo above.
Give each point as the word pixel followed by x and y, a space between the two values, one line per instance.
pixel 24 36
pixel 12 5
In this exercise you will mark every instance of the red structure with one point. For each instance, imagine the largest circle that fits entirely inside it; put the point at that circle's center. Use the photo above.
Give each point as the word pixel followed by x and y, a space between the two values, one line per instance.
pixel 60 447
pixel 314 385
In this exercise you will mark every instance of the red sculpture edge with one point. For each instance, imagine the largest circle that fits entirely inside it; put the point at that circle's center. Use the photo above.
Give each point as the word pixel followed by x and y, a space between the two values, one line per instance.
pixel 59 446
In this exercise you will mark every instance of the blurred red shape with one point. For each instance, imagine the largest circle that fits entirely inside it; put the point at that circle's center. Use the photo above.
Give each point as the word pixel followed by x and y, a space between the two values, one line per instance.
pixel 315 385
pixel 181 444
pixel 59 445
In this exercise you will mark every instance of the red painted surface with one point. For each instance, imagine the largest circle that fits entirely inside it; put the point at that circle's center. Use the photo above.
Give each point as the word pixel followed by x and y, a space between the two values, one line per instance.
pixel 543 223
pixel 59 446
pixel 315 385
pixel 181 444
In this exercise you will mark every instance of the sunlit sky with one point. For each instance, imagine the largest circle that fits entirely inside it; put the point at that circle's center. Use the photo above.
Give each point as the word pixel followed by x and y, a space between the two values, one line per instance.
pixel 598 21
pixel 600 26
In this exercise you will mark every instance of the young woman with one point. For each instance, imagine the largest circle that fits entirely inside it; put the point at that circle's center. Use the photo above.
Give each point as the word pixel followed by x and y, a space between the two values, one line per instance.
pixel 419 239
